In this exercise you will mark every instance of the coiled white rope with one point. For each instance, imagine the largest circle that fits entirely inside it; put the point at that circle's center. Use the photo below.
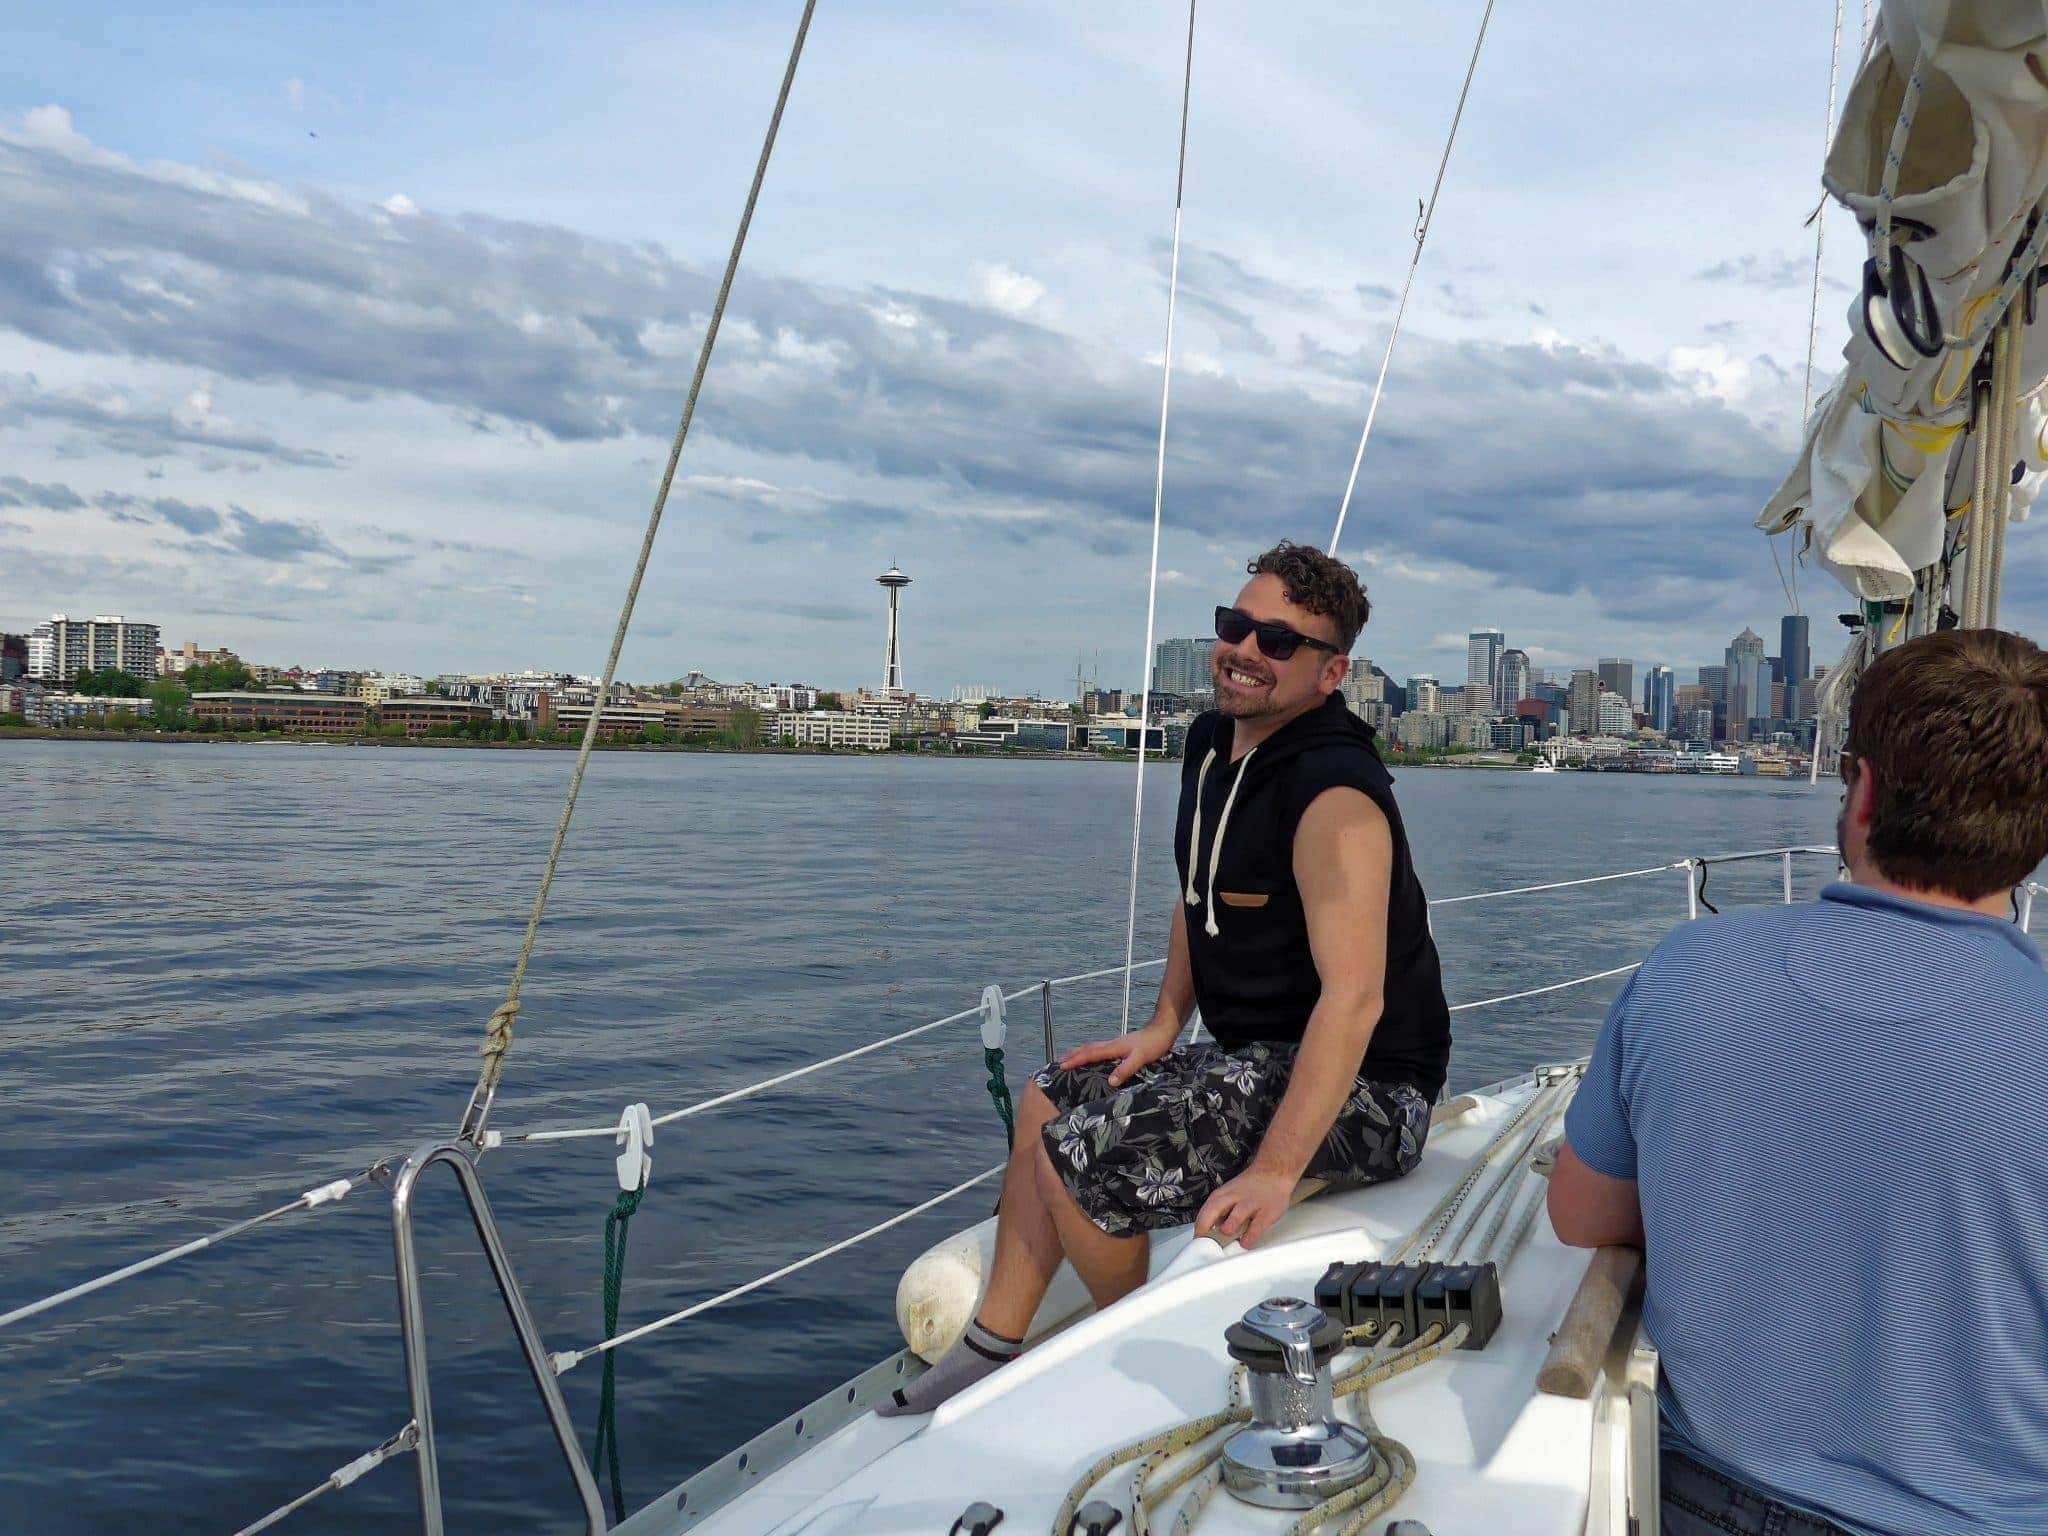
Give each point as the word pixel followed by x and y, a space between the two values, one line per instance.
pixel 1408 283
pixel 1158 513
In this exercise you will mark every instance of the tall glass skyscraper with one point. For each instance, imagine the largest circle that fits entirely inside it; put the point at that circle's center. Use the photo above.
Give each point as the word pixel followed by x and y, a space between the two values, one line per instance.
pixel 1660 698
pixel 1482 660
pixel 1793 649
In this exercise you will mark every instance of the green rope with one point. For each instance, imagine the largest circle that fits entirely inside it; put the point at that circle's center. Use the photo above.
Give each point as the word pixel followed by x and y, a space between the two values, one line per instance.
pixel 606 1450
pixel 999 1091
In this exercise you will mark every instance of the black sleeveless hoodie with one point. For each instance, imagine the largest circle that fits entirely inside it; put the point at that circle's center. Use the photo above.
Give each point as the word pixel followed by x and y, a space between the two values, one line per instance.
pixel 1247 936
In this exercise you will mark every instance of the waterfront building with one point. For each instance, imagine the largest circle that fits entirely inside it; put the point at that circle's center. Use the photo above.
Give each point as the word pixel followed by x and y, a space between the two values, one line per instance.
pixel 834 728
pixel 1421 728
pixel 1182 666
pixel 1617 715
pixel 1585 702
pixel 1511 735
pixel 311 714
pixel 46 707
pixel 1618 675
pixel 1698 722
pixel 1361 686
pixel 1424 695
pixel 177 663
pixel 374 688
pixel 892 662
pixel 1483 649
pixel 570 714
pixel 1512 679
pixel 423 715
pixel 64 647
pixel 1795 654
pixel 1112 733
pixel 1660 698
pixel 1476 700
pixel 13 658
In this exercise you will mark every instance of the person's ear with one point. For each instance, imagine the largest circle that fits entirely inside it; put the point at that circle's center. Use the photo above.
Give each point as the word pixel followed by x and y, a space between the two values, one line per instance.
pixel 1335 670
pixel 1862 793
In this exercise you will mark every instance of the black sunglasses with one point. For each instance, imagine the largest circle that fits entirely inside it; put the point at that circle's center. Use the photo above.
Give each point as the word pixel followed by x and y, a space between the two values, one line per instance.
pixel 1276 641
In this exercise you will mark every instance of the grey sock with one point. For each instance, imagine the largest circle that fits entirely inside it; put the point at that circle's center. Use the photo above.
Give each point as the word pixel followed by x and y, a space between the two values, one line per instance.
pixel 977 1354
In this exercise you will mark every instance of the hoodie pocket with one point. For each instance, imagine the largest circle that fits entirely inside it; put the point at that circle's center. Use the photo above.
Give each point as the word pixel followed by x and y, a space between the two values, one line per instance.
pixel 1243 898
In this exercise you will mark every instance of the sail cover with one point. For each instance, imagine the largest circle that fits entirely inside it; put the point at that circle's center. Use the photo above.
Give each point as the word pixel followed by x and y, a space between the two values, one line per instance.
pixel 1942 155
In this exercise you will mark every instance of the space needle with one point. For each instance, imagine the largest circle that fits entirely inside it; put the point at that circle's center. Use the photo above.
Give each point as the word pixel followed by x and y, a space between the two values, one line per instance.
pixel 892 666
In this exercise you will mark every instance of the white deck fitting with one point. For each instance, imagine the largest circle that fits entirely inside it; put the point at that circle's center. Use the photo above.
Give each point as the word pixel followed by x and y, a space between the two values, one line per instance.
pixel 1491 1454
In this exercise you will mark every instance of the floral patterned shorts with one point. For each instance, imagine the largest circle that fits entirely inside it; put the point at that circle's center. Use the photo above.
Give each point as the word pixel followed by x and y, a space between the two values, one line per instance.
pixel 1146 1155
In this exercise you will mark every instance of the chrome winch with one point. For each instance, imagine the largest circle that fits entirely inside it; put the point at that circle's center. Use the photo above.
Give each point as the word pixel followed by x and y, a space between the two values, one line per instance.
pixel 1296 1452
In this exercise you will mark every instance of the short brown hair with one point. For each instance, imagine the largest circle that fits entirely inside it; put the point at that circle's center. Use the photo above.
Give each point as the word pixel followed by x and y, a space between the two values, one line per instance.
pixel 1954 728
pixel 1321 583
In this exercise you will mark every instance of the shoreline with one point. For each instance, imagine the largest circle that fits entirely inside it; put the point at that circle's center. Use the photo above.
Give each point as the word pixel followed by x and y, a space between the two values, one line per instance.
pixel 459 743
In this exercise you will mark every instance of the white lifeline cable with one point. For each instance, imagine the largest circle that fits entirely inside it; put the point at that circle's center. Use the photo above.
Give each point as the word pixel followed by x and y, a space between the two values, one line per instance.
pixel 1408 283
pixel 1158 509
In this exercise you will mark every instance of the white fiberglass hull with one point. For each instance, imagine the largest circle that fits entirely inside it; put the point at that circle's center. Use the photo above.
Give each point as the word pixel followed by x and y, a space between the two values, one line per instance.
pixel 1492 1453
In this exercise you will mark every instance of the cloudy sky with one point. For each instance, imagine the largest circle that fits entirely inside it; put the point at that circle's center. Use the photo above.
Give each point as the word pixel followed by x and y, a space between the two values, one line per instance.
pixel 355 335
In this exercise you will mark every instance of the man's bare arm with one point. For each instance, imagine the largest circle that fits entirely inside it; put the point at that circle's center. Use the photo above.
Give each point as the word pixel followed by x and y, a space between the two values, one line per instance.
pixel 1177 986
pixel 1589 1209
pixel 1343 866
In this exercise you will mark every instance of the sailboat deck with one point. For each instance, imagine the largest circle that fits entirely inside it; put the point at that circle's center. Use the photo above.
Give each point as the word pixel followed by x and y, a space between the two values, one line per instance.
pixel 1492 1454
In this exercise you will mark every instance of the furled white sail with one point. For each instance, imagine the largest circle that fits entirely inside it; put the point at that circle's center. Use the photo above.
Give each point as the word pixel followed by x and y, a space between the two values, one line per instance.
pixel 1942 155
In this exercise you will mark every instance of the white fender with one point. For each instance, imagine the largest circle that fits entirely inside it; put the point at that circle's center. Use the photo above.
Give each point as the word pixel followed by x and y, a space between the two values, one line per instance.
pixel 938 1294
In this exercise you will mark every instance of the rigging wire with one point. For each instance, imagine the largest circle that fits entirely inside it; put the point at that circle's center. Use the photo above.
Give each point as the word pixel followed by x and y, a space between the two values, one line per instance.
pixel 1820 240
pixel 499 1029
pixel 1408 283
pixel 1158 507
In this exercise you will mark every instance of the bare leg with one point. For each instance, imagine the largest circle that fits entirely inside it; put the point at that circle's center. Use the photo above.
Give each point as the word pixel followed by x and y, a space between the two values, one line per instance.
pixel 1027 1245
pixel 1111 1267
pixel 1027 1253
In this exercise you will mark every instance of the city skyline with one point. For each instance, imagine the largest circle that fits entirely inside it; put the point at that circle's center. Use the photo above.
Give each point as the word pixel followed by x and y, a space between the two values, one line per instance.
pixel 1187 670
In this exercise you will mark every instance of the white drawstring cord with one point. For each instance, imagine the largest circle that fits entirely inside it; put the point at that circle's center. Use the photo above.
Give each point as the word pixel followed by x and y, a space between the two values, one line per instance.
pixel 1195 835
pixel 1216 848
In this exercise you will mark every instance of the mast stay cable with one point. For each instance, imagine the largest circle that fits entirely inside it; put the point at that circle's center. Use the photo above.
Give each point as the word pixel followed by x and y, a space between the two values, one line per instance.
pixel 1820 241
pixel 1408 283
pixel 498 1031
pixel 1158 507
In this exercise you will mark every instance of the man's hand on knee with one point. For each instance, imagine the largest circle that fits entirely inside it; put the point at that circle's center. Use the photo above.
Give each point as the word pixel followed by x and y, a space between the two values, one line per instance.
pixel 1131 1053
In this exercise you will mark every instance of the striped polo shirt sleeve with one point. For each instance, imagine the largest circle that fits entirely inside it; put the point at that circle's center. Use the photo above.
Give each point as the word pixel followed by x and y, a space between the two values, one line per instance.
pixel 1597 1124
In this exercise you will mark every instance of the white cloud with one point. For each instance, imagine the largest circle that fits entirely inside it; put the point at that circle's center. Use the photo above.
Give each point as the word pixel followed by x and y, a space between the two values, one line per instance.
pixel 1008 290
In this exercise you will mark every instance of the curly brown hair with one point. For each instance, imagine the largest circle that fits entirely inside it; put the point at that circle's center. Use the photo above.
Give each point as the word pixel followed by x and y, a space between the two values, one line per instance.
pixel 1321 583
pixel 1954 729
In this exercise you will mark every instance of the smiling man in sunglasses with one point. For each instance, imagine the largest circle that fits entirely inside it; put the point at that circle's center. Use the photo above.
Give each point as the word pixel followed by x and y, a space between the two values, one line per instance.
pixel 1301 933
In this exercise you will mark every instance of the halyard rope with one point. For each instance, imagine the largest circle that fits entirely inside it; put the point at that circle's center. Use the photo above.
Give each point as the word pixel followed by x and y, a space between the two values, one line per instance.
pixel 1180 178
pixel 498 1032
pixel 1408 283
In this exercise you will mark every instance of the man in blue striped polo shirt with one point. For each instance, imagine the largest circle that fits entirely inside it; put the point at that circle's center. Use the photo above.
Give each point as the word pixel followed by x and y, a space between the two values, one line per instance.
pixel 1827 1127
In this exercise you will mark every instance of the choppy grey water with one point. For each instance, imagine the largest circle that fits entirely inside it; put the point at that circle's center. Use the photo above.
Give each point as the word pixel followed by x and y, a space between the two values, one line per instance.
pixel 228 973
